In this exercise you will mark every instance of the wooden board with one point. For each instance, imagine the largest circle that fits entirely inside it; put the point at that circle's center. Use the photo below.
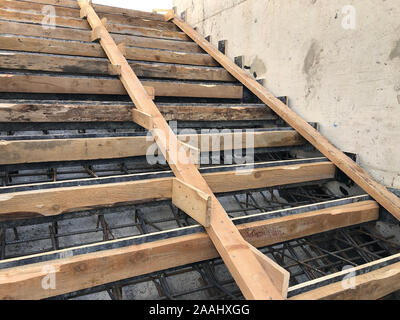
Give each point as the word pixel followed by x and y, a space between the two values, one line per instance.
pixel 81 112
pixel 51 150
pixel 35 30
pixel 87 85
pixel 373 285
pixel 50 202
pixel 380 193
pixel 75 65
pixel 194 202
pixel 94 50
pixel 70 17
pixel 76 273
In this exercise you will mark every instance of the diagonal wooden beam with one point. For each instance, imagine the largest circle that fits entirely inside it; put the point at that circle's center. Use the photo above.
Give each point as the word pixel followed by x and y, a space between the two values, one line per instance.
pixel 248 272
pixel 380 193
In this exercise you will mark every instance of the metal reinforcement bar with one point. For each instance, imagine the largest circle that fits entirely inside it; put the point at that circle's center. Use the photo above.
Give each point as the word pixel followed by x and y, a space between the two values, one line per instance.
pixel 117 260
pixel 381 194
pixel 251 270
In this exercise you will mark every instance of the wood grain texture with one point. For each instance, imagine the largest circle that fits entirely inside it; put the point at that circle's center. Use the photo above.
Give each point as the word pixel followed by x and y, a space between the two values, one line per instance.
pixel 380 193
pixel 52 150
pixel 94 50
pixel 52 202
pixel 87 85
pixel 70 17
pixel 76 273
pixel 370 286
pixel 101 9
pixel 98 66
pixel 36 30
pixel 81 112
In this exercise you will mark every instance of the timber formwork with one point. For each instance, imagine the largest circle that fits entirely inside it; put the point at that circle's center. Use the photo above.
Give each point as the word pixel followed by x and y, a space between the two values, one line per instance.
pixel 79 197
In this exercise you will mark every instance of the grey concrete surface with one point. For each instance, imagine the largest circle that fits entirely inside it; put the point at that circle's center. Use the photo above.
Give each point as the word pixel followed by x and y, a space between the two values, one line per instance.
pixel 344 78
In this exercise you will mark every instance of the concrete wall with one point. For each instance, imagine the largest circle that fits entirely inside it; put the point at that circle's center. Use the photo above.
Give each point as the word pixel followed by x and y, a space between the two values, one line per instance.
pixel 348 80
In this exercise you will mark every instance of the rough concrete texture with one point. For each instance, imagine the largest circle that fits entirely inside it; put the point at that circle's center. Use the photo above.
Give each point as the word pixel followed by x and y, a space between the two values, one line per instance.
pixel 345 79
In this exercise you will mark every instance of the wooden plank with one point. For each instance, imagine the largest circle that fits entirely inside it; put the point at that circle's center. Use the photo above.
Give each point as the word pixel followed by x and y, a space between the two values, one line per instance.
pixel 373 285
pixel 76 273
pixel 248 273
pixel 380 193
pixel 143 119
pixel 102 9
pixel 83 112
pixel 280 277
pixel 87 85
pixel 35 10
pixel 24 29
pixel 51 150
pixel 51 202
pixel 202 112
pixel 67 64
pixel 269 177
pixel 193 201
pixel 94 50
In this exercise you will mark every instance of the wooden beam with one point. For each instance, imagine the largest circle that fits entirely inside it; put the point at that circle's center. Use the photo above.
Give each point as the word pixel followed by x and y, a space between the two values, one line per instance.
pixel 91 85
pixel 83 112
pixel 25 29
pixel 94 50
pixel 99 66
pixel 51 150
pixel 51 202
pixel 76 272
pixel 193 201
pixel 380 193
pixel 248 273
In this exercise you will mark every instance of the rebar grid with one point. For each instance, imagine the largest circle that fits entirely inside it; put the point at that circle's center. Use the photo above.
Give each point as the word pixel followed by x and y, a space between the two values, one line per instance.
pixel 63 232
pixel 306 259
pixel 91 169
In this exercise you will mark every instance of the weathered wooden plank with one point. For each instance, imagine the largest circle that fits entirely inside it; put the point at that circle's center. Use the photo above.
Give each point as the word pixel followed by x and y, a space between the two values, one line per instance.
pixel 36 30
pixel 50 202
pixel 81 112
pixel 380 193
pixel 373 285
pixel 76 273
pixel 67 64
pixel 94 50
pixel 87 85
pixel 64 14
pixel 102 9
pixel 250 275
pixel 206 112
pixel 31 151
